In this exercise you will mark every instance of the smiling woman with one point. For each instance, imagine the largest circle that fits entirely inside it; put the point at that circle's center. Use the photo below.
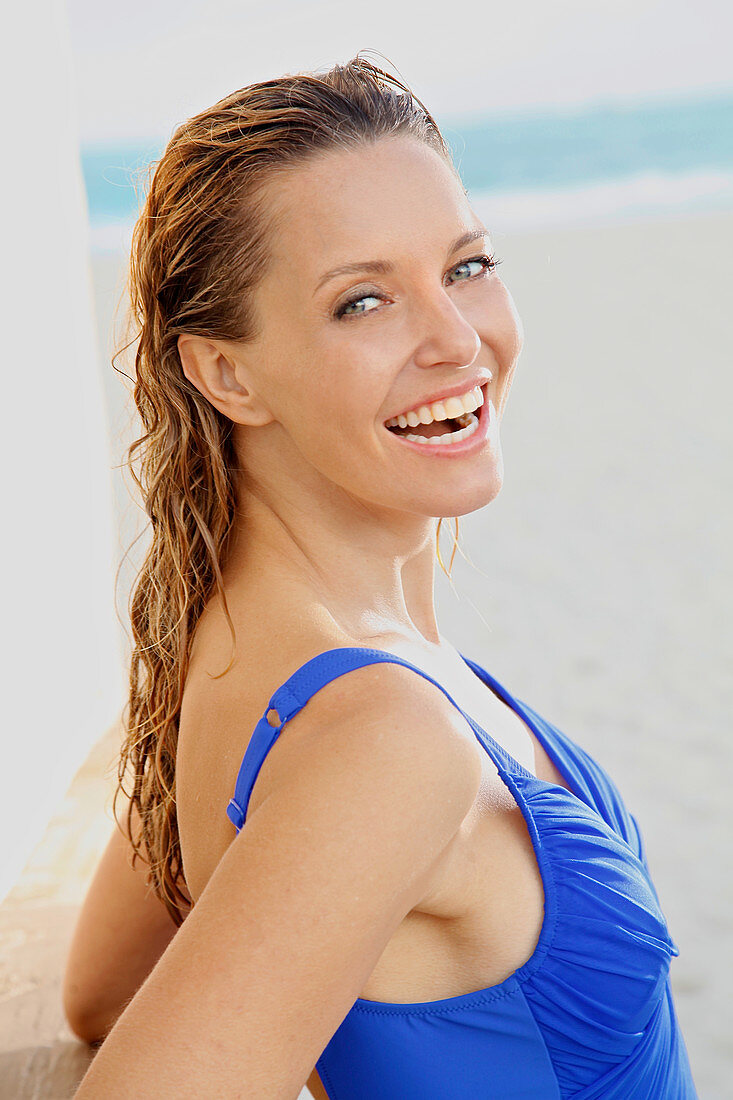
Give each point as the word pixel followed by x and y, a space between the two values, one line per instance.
pixel 398 880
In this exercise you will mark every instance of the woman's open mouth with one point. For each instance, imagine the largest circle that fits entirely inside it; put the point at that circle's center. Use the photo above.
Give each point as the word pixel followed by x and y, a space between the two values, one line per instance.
pixel 442 429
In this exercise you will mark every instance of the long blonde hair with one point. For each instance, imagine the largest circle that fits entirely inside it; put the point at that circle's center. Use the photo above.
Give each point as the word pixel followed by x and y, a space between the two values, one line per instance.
pixel 199 249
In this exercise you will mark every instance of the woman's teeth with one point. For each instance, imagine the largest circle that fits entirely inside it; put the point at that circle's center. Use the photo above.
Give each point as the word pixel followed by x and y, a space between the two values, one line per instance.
pixel 469 424
pixel 450 409
pixel 461 409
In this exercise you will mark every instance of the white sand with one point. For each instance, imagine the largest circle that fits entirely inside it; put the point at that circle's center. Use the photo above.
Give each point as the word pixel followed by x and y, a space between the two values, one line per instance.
pixel 601 579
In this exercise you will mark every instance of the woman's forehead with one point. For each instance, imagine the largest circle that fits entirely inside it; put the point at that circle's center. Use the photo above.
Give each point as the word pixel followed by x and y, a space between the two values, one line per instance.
pixel 332 208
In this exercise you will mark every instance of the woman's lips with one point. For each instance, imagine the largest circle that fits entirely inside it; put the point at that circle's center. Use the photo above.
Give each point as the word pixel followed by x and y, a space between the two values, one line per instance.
pixel 471 443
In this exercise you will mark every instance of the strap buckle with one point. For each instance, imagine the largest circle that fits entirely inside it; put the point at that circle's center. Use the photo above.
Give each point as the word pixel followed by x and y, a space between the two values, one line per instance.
pixel 235 814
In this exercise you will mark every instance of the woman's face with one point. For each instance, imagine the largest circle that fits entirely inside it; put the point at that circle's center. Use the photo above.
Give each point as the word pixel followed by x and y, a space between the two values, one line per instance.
pixel 378 301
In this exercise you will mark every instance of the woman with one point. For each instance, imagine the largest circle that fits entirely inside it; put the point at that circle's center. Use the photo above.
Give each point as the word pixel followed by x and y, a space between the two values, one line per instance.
pixel 420 888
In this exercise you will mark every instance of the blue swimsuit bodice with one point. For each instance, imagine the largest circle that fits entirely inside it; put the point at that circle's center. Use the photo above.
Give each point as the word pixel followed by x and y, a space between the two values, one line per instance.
pixel 590 1015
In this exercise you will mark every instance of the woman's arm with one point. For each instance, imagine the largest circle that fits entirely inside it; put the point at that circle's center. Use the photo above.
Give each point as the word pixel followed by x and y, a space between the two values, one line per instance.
pixel 358 811
pixel 121 932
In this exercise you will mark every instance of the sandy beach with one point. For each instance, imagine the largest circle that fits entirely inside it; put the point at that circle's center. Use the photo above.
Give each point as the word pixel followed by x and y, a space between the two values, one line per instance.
pixel 599 595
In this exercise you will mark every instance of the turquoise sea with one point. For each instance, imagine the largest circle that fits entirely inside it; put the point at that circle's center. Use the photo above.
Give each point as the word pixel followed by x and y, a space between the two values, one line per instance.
pixel 529 169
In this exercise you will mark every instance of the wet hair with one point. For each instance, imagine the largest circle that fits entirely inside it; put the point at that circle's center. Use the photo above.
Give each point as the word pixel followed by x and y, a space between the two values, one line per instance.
pixel 199 250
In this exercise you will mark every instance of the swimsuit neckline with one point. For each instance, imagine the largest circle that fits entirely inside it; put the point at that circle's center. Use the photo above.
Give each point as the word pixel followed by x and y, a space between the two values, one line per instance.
pixel 522 712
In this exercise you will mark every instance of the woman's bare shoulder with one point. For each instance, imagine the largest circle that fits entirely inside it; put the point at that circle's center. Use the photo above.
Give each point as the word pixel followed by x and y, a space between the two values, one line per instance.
pixel 303 903
pixel 218 716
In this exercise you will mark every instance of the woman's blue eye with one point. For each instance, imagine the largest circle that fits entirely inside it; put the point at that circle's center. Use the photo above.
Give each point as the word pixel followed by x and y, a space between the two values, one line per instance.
pixel 355 306
pixel 346 308
pixel 485 263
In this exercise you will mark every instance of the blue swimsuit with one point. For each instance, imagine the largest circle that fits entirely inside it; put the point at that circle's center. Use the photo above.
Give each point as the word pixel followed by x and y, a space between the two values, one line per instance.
pixel 590 1015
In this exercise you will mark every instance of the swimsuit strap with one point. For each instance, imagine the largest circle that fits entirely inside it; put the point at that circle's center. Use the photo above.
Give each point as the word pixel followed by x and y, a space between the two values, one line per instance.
pixel 292 696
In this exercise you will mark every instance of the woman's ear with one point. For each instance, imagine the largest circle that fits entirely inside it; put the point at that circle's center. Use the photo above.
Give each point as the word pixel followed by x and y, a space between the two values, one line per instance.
pixel 220 377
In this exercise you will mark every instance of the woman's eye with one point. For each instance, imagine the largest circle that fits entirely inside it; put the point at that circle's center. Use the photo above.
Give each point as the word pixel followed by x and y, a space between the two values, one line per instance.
pixel 356 306
pixel 483 263
pixel 468 269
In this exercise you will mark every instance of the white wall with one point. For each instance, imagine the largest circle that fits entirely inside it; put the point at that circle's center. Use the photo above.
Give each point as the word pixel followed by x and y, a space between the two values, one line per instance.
pixel 62 682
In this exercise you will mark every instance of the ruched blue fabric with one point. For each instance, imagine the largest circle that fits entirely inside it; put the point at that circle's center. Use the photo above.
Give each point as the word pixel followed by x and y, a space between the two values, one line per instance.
pixel 590 1015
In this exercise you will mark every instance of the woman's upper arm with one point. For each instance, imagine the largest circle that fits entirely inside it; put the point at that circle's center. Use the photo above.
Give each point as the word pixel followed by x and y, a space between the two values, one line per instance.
pixel 302 904
pixel 122 930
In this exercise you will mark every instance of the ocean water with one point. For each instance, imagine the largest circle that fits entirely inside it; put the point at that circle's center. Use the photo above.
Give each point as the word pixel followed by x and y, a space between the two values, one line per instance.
pixel 523 171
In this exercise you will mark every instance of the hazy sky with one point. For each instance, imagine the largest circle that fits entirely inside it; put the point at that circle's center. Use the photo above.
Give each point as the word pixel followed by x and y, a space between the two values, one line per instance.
pixel 145 66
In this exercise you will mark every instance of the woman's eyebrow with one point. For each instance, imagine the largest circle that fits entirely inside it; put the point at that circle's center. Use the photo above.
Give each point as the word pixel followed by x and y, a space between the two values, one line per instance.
pixel 383 267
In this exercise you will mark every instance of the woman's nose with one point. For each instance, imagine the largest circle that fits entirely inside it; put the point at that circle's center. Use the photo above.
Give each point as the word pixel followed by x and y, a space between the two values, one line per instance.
pixel 443 334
